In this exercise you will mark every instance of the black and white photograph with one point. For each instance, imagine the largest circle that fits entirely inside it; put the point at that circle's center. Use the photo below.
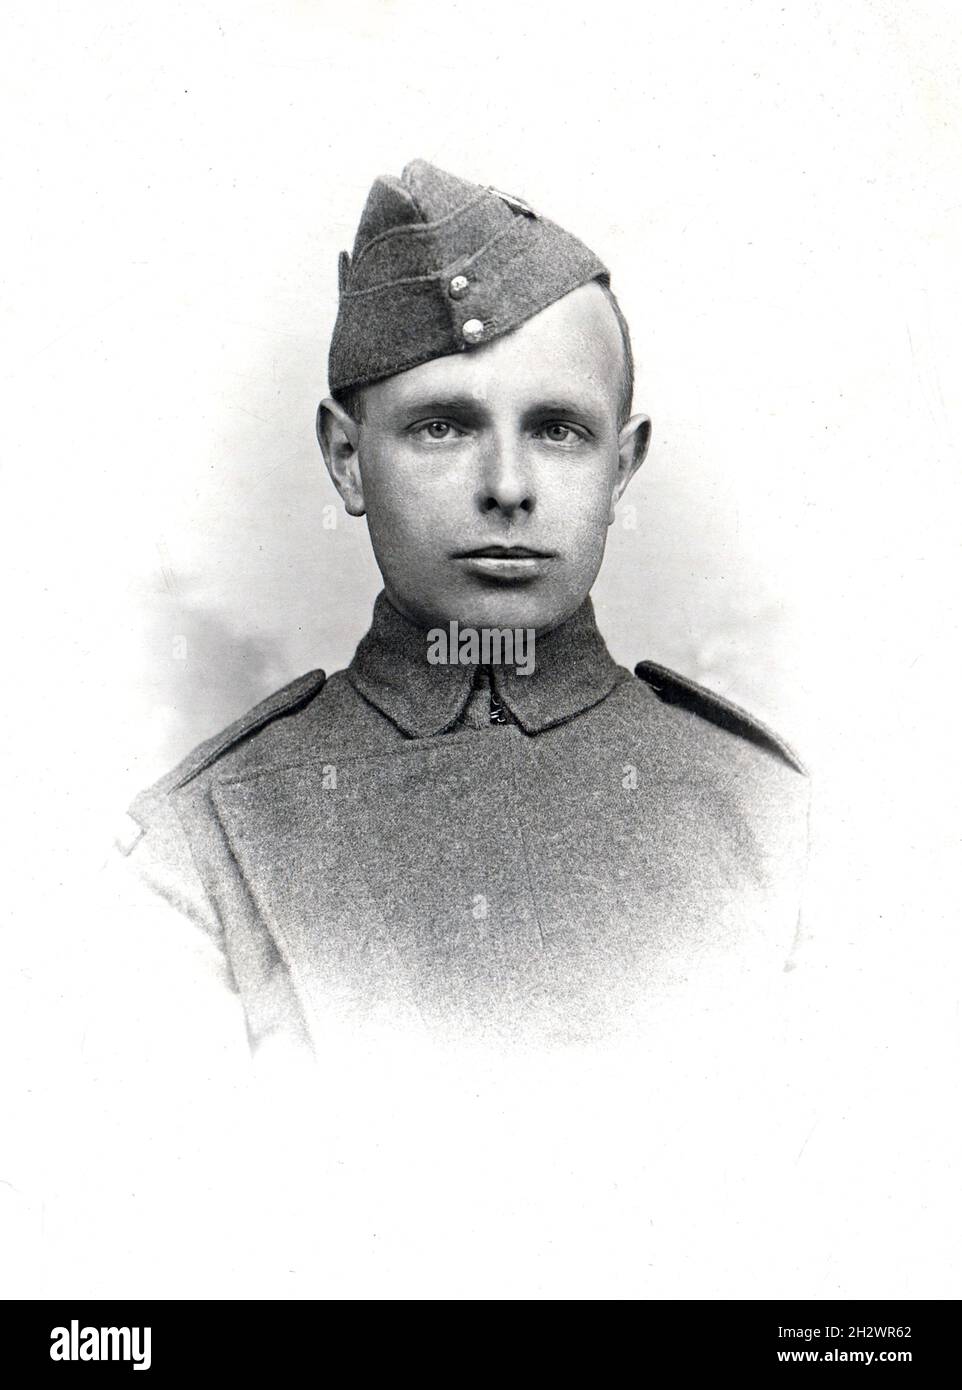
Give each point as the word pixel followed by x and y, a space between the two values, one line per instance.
pixel 482 613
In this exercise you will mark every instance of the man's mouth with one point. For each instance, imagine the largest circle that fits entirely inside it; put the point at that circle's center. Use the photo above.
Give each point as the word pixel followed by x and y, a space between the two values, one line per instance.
pixel 504 552
pixel 505 564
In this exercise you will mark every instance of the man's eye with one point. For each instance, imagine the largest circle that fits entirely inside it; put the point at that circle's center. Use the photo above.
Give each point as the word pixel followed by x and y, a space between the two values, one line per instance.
pixel 436 429
pixel 557 432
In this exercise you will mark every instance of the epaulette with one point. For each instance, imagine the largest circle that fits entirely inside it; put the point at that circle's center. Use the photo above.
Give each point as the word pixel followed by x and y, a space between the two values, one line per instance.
pixel 284 701
pixel 674 689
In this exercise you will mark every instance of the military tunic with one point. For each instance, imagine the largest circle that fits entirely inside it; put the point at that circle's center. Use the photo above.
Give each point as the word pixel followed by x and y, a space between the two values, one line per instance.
pixel 376 847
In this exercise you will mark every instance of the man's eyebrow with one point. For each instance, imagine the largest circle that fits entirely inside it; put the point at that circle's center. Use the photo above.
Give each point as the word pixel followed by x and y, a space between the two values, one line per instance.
pixel 435 404
pixel 472 409
pixel 590 411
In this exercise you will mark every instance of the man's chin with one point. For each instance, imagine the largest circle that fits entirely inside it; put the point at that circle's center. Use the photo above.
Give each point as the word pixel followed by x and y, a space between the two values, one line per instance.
pixel 508 607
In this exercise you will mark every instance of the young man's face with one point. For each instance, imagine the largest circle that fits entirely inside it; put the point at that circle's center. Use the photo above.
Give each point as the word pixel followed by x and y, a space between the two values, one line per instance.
pixel 489 477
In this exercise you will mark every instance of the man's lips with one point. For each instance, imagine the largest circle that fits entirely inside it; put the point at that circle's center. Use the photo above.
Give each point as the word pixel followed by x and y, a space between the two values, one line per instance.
pixel 503 552
pixel 505 564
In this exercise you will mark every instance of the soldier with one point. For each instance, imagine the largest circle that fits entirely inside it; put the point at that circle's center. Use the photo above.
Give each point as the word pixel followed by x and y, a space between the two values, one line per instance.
pixel 439 837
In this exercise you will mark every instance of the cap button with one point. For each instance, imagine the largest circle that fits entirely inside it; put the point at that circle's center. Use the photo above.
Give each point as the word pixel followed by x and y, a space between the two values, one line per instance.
pixel 473 329
pixel 459 287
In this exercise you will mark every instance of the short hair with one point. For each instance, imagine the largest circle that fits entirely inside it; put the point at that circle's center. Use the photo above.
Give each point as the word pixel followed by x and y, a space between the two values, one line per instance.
pixel 352 398
pixel 626 392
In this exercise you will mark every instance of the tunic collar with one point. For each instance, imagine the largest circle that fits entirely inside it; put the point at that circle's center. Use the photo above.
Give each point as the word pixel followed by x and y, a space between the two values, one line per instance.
pixel 573 670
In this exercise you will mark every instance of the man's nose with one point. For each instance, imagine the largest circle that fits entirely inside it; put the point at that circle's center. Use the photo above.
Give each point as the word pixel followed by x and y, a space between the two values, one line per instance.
pixel 506 482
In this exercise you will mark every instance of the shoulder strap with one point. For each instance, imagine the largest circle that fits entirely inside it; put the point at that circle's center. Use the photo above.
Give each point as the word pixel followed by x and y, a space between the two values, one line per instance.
pixel 285 701
pixel 674 689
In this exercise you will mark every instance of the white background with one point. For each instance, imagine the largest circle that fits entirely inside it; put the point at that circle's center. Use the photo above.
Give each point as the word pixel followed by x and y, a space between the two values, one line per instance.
pixel 777 191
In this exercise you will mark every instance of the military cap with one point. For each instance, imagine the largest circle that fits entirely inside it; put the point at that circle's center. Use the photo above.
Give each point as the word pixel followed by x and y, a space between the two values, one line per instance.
pixel 440 265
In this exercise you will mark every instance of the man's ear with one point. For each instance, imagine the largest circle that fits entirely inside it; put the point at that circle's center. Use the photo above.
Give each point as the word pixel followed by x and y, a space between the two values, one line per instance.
pixel 633 442
pixel 337 434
